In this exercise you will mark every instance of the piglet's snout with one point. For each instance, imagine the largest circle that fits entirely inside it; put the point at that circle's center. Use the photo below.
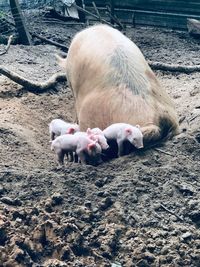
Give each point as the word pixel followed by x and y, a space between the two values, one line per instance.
pixel 139 145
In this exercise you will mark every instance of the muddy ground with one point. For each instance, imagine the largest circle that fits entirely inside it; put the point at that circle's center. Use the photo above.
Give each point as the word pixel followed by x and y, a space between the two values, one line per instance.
pixel 138 210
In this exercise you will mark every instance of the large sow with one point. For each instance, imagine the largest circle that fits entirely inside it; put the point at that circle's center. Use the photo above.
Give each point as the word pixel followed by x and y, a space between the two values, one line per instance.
pixel 112 83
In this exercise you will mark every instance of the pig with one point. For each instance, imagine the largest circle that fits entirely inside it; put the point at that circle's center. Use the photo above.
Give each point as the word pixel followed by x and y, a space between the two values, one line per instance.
pixel 112 82
pixel 59 127
pixel 122 132
pixel 80 144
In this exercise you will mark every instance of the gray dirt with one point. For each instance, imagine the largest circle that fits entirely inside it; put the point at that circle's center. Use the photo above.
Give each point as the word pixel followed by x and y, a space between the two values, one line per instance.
pixel 138 210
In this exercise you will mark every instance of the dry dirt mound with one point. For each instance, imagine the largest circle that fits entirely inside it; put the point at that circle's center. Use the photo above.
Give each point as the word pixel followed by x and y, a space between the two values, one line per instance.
pixel 139 210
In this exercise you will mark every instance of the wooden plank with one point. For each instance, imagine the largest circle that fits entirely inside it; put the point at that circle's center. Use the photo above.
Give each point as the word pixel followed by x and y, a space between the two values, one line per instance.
pixel 143 17
pixel 178 6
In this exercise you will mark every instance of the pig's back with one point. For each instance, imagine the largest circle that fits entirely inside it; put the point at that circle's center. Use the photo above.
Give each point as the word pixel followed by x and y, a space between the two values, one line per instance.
pixel 101 56
pixel 114 130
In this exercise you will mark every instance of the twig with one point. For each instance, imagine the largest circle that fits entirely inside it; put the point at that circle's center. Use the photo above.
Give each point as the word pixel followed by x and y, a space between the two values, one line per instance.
pixel 91 14
pixel 194 117
pixel 8 45
pixel 97 11
pixel 182 119
pixel 162 151
pixel 32 86
pixel 49 41
pixel 174 68
pixel 171 212
pixel 114 18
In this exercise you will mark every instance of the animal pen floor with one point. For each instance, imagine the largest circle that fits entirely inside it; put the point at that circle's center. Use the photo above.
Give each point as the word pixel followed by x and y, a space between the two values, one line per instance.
pixel 138 210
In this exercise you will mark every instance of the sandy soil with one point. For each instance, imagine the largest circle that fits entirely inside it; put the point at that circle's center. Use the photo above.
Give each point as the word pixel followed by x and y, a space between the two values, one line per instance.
pixel 138 210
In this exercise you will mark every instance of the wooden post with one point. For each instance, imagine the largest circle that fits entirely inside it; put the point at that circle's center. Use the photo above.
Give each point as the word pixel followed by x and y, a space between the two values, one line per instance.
pixel 24 36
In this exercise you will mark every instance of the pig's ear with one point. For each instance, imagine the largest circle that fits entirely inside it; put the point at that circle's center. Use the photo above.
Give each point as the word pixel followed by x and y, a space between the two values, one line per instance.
pixel 70 131
pixel 138 126
pixel 91 145
pixel 128 131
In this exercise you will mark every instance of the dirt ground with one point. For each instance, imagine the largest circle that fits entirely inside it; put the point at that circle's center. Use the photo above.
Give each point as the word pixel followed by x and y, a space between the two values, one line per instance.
pixel 138 210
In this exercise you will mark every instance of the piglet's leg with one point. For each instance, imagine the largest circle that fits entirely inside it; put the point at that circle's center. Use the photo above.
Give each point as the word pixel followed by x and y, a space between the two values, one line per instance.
pixel 81 156
pixel 61 155
pixel 151 134
pixel 75 158
pixel 52 136
pixel 120 147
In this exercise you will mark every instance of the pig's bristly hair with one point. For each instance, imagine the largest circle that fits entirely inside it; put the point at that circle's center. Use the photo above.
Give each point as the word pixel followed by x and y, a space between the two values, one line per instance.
pixel 126 70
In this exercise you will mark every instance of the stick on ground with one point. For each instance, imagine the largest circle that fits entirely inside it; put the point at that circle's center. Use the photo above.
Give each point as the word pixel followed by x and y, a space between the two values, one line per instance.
pixel 162 151
pixel 8 46
pixel 171 212
pixel 50 41
pixel 32 86
pixel 174 68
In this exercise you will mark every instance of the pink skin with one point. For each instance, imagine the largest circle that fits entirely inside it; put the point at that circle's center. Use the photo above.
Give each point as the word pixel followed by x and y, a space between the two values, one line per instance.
pixel 97 134
pixel 80 144
pixel 59 127
pixel 122 132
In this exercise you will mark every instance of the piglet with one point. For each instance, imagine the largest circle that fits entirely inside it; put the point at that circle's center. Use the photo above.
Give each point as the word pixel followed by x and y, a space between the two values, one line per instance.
pixel 97 134
pixel 59 127
pixel 82 145
pixel 124 132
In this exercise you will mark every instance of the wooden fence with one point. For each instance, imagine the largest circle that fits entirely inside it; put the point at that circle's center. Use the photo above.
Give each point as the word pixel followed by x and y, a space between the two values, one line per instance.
pixel 165 13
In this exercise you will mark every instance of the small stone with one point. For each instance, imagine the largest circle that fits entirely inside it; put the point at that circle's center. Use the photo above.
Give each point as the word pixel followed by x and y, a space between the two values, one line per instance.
pixel 185 189
pixel 151 247
pixel 102 194
pixel 88 204
pixel 65 253
pixel 48 206
pixel 95 210
pixel 19 220
pixel 143 263
pixel 187 235
pixel 66 212
pixel 106 203
pixel 99 183
pixel 10 201
pixel 164 250
pixel 149 257
pixel 57 199
pixel 2 190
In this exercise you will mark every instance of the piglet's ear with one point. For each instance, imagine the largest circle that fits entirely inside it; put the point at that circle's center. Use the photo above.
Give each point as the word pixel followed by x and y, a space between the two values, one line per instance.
pixel 91 145
pixel 70 131
pixel 138 126
pixel 128 131
pixel 89 131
